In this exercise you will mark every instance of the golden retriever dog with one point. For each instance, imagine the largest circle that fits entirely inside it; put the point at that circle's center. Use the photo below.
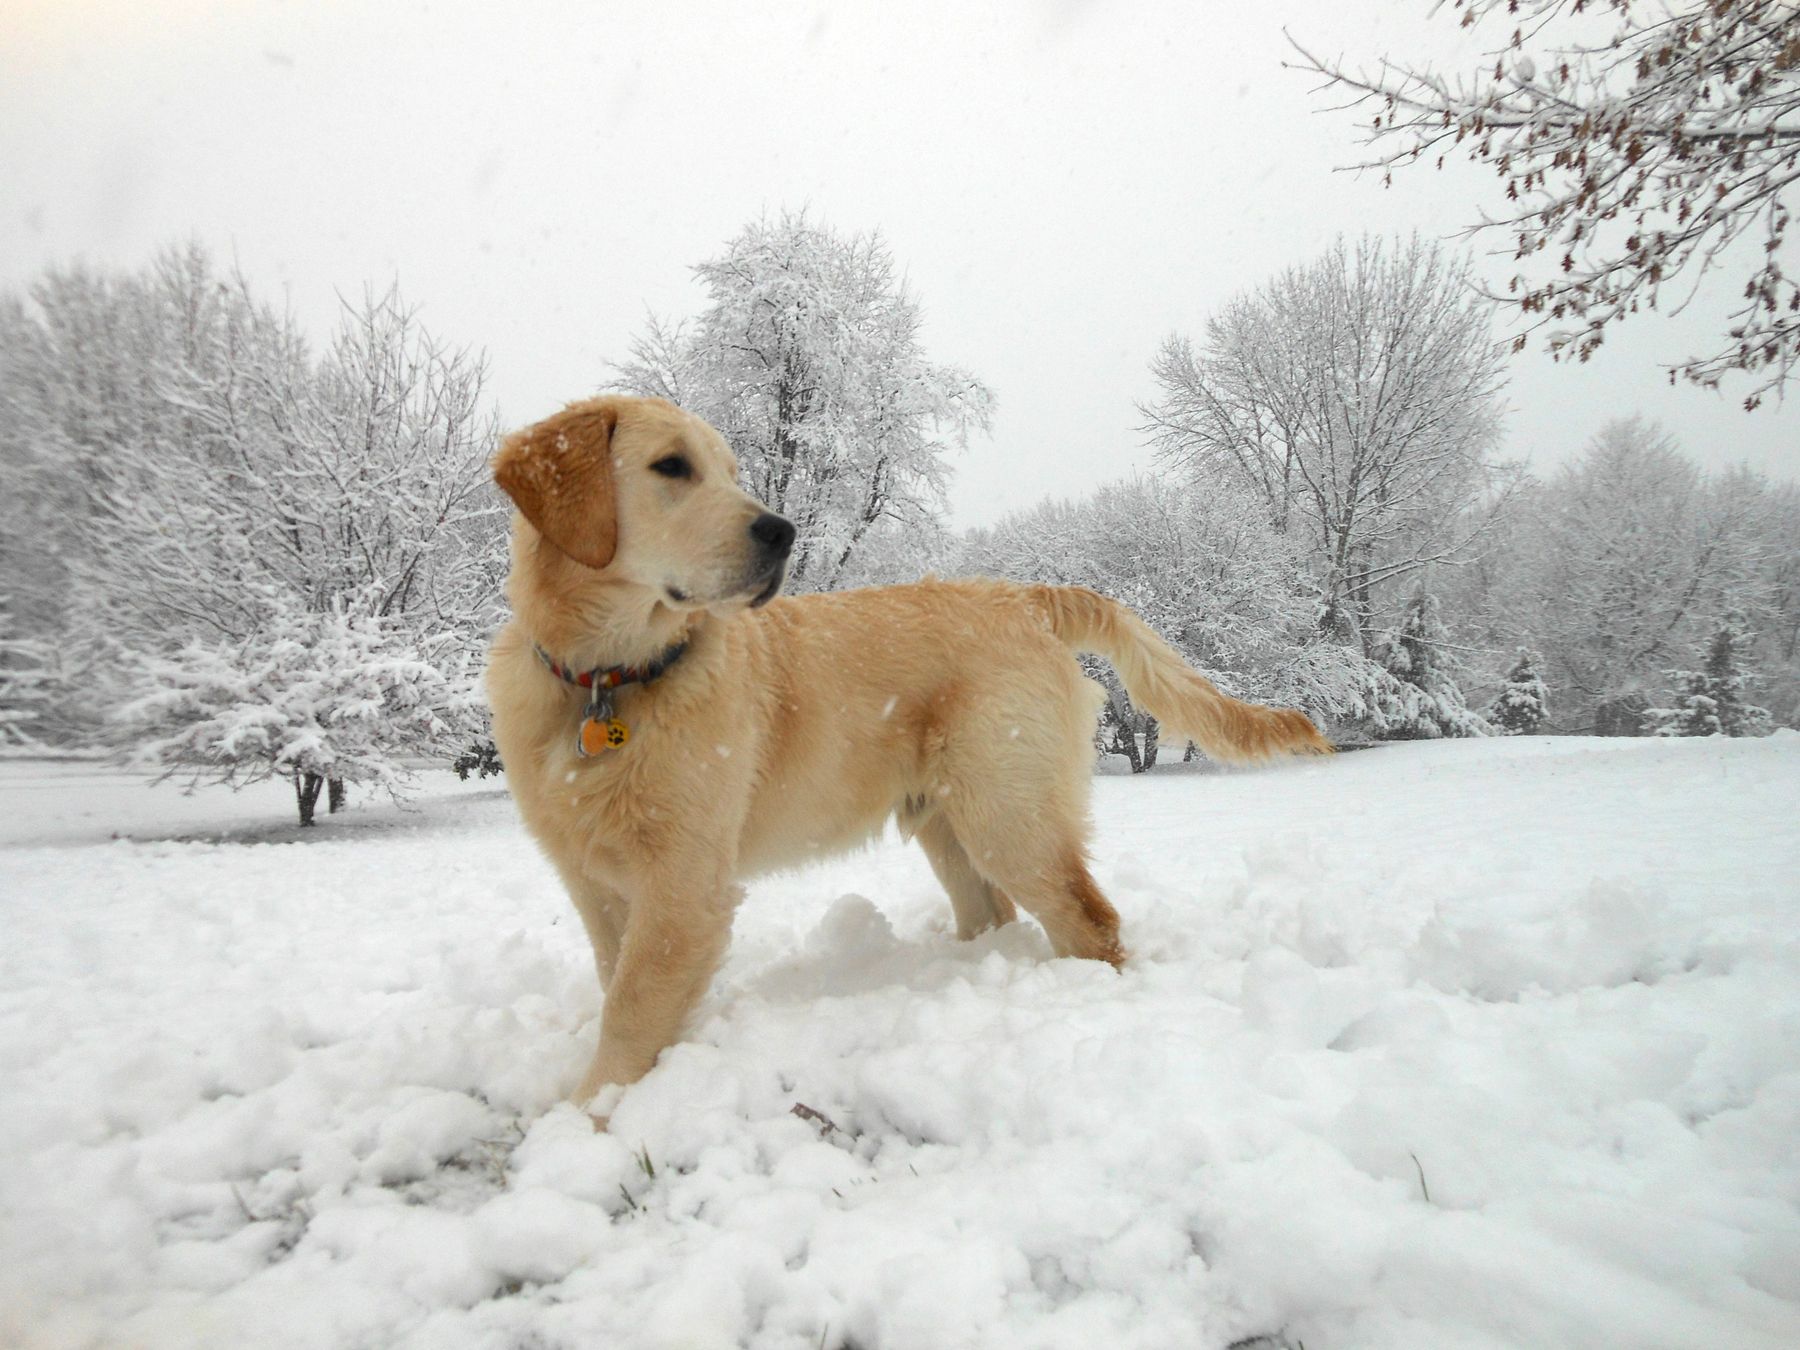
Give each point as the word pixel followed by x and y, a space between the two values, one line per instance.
pixel 669 727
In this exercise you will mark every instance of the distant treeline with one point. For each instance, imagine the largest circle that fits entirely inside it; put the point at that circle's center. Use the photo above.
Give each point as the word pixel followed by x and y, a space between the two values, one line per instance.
pixel 233 556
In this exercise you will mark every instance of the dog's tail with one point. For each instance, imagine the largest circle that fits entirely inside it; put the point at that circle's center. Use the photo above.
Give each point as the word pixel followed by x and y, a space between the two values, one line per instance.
pixel 1163 685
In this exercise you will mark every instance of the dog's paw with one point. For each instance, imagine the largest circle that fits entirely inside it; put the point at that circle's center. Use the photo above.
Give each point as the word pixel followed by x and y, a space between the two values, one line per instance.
pixel 598 1103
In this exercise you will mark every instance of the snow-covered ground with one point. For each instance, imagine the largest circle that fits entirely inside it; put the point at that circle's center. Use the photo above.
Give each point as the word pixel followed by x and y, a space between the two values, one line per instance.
pixel 1470 1044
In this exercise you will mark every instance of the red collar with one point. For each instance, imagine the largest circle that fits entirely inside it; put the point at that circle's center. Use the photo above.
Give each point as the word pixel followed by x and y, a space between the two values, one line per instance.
pixel 611 677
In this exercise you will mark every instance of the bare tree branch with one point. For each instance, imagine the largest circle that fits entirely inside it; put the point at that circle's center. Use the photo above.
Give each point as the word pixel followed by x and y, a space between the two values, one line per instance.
pixel 1636 144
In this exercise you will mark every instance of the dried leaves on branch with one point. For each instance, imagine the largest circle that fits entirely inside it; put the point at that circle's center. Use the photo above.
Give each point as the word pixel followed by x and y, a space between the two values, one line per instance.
pixel 1639 144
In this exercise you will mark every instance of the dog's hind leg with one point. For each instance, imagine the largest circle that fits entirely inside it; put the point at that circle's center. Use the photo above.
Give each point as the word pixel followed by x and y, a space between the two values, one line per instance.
pixel 1062 895
pixel 1040 864
pixel 978 904
pixel 1012 787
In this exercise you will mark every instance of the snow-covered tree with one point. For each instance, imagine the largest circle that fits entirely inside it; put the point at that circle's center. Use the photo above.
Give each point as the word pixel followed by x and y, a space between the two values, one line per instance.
pixel 27 686
pixel 320 697
pixel 182 526
pixel 1623 714
pixel 1523 701
pixel 1695 711
pixel 1777 616
pixel 1422 700
pixel 1637 141
pixel 1612 569
pixel 30 558
pixel 1710 701
pixel 809 358
pixel 197 470
pixel 1627 553
pixel 892 554
pixel 402 507
pixel 92 365
pixel 356 485
pixel 82 358
pixel 1357 398
pixel 363 474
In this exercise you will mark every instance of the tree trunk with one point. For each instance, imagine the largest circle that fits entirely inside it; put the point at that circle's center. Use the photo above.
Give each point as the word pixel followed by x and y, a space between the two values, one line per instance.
pixel 306 793
pixel 1124 742
pixel 1622 715
pixel 334 795
pixel 1150 740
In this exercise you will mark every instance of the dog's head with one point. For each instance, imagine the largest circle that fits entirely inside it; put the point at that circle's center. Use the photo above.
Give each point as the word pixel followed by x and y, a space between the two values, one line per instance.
pixel 645 494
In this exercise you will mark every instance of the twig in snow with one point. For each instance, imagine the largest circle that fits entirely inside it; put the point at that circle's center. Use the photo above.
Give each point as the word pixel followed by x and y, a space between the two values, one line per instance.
pixel 827 1126
pixel 238 1196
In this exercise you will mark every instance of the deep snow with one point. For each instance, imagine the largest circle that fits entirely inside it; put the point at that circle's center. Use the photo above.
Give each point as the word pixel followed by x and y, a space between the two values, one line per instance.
pixel 1468 1044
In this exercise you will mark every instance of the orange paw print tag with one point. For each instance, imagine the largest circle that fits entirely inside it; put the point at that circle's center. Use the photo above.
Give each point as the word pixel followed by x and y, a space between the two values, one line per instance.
pixel 600 734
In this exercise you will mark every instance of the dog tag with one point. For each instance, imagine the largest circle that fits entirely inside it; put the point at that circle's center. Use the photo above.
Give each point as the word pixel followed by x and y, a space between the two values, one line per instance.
pixel 600 731
pixel 600 734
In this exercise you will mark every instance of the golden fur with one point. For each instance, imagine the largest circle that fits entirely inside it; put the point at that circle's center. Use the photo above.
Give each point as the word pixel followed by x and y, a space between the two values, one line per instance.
pixel 795 729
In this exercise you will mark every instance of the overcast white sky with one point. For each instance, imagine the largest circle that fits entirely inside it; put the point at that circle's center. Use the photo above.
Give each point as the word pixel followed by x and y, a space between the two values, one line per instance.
pixel 1064 182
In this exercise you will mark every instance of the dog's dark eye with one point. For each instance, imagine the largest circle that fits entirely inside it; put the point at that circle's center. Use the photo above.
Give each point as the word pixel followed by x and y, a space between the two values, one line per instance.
pixel 673 466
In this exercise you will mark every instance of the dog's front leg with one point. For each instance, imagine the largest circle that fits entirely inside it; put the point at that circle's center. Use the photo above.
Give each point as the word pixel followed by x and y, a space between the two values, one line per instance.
pixel 673 943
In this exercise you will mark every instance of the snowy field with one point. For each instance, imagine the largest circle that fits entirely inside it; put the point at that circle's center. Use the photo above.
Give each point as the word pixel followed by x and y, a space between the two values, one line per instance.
pixel 1473 1044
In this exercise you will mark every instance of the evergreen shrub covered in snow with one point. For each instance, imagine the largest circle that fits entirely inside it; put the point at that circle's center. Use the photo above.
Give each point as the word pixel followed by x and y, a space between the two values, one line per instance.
pixel 1523 701
pixel 1419 698
pixel 1710 701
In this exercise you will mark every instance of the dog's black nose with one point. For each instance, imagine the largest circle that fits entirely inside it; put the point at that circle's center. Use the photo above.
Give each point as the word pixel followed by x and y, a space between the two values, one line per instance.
pixel 774 533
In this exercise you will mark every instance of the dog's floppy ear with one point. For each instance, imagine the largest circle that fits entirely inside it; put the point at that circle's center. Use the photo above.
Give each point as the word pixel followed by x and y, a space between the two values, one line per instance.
pixel 559 474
